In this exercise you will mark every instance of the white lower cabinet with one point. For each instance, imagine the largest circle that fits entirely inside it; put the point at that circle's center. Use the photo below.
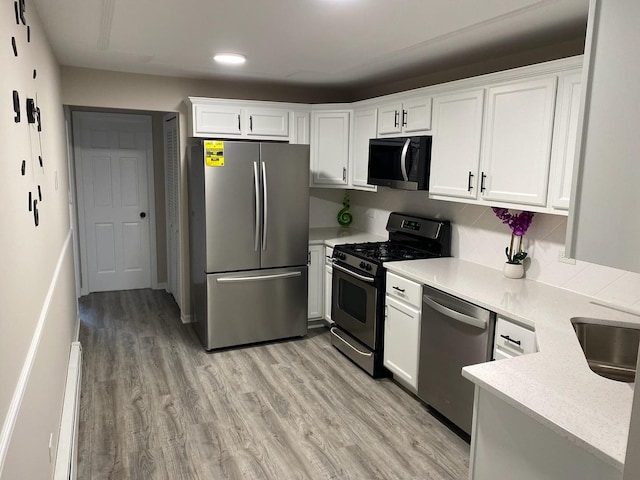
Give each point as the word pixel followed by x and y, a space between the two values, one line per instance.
pixel 316 285
pixel 507 444
pixel 512 340
pixel 328 283
pixel 402 331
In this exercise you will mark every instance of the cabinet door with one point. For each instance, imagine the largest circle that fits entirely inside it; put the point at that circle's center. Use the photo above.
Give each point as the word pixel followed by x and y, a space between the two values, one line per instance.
pixel 267 122
pixel 401 341
pixel 389 121
pixel 455 153
pixel 364 129
pixel 301 130
pixel 216 120
pixel 564 140
pixel 416 115
pixel 330 147
pixel 316 264
pixel 517 141
pixel 328 285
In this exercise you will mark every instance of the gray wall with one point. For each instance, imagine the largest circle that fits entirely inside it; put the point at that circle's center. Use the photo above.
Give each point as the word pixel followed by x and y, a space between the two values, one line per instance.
pixel 38 317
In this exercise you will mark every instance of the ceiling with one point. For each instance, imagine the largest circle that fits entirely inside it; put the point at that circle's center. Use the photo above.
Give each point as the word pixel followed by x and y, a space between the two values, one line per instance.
pixel 305 42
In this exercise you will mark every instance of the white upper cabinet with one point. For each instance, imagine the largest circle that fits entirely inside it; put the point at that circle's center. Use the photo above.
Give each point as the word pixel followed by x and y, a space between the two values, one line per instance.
pixel 364 129
pixel 330 148
pixel 455 153
pixel 212 119
pixel 517 141
pixel 266 122
pixel 301 128
pixel 241 119
pixel 316 282
pixel 565 135
pixel 413 116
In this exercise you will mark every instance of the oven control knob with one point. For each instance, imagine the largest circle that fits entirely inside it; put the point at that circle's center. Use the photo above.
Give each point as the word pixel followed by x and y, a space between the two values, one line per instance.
pixel 368 267
pixel 363 265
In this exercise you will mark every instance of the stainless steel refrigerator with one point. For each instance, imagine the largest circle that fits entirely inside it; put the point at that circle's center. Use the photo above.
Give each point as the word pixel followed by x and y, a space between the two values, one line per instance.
pixel 249 236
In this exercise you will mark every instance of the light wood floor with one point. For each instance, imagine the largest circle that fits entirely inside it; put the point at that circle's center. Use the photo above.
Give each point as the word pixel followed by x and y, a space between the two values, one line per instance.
pixel 155 405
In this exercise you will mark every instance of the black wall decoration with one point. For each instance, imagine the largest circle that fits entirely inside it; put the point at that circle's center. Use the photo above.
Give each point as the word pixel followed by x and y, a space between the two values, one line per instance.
pixel 33 171
pixel 16 106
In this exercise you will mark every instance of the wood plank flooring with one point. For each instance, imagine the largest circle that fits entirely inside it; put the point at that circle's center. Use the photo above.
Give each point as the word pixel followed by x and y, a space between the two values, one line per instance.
pixel 156 405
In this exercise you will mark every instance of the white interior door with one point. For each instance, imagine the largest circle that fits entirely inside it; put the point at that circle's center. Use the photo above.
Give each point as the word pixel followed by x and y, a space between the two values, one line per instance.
pixel 113 156
pixel 172 199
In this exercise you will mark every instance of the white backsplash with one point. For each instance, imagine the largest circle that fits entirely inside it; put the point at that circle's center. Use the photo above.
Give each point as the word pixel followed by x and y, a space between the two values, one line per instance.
pixel 478 236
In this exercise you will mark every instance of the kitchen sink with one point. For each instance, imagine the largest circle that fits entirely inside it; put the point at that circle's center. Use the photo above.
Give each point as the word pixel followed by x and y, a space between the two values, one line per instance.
pixel 611 351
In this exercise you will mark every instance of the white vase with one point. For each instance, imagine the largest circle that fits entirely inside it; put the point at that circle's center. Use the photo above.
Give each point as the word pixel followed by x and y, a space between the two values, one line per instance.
pixel 513 270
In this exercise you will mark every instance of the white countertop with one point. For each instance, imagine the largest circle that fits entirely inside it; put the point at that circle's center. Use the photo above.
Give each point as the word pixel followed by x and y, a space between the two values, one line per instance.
pixel 333 236
pixel 555 385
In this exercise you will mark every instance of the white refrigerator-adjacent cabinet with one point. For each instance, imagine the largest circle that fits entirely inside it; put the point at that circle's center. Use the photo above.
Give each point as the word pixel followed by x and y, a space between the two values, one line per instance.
pixel 249 235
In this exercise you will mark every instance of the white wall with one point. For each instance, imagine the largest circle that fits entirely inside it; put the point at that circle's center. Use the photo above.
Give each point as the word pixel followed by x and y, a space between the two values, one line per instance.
pixel 38 317
pixel 479 237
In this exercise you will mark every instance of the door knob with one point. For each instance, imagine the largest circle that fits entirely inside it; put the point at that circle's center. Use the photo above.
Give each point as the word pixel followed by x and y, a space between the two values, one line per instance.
pixel 142 214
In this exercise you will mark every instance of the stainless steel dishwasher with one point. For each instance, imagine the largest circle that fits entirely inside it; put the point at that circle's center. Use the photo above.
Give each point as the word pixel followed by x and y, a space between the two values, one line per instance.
pixel 454 334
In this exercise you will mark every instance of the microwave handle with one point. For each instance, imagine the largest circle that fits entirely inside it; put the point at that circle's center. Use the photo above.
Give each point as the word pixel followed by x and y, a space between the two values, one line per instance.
pixel 403 160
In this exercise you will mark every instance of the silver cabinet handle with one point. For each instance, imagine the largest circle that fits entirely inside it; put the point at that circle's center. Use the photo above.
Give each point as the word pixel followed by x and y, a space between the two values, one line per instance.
pixel 364 354
pixel 258 277
pixel 256 184
pixel 403 160
pixel 358 276
pixel 265 207
pixel 460 317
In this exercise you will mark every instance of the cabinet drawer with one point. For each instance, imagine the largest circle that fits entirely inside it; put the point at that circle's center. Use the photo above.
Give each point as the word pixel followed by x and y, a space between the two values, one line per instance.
pixel 514 339
pixel 405 290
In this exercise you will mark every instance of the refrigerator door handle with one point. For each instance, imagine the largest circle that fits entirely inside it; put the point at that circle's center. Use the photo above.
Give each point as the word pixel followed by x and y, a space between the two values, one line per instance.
pixel 256 183
pixel 258 277
pixel 265 208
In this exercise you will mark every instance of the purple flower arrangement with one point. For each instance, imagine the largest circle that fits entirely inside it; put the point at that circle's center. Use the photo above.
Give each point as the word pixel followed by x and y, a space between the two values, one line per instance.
pixel 519 224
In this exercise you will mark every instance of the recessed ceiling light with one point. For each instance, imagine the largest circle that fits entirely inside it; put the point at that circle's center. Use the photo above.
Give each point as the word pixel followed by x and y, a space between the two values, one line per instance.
pixel 230 58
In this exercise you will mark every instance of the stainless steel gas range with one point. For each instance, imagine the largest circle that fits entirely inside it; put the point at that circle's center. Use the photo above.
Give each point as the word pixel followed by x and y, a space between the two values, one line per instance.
pixel 358 288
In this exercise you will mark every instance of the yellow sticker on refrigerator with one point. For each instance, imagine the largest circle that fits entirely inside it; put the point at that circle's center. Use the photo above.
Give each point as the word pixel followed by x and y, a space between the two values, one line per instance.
pixel 214 153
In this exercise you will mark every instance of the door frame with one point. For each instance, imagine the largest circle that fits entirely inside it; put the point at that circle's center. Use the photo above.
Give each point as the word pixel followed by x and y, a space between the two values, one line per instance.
pixel 177 294
pixel 77 118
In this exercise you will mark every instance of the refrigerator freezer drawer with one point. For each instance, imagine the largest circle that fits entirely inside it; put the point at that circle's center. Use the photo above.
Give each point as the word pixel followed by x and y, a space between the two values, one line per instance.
pixel 255 306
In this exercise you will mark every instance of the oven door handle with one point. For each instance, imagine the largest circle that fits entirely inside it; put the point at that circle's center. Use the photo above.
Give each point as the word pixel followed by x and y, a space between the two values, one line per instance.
pixel 364 354
pixel 357 275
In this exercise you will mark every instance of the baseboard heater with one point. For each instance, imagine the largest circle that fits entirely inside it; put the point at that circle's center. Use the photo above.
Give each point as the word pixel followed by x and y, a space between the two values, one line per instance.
pixel 66 459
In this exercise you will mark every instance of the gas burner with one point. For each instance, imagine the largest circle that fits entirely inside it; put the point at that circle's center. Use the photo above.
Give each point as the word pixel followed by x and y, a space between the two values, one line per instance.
pixel 384 251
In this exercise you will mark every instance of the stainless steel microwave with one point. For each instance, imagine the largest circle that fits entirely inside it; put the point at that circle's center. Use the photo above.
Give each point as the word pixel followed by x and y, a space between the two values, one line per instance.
pixel 400 162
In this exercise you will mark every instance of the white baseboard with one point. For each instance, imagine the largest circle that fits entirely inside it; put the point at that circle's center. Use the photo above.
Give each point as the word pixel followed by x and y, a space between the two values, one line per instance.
pixel 186 318
pixel 161 286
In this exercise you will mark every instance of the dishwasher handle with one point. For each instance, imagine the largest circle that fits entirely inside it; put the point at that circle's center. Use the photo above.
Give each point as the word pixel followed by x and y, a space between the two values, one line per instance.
pixel 450 313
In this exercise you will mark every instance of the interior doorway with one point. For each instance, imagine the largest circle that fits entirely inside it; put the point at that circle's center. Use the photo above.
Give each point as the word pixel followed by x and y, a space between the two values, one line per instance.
pixel 115 199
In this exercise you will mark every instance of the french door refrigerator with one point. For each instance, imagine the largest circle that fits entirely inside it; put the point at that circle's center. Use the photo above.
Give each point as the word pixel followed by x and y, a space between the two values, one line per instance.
pixel 249 235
